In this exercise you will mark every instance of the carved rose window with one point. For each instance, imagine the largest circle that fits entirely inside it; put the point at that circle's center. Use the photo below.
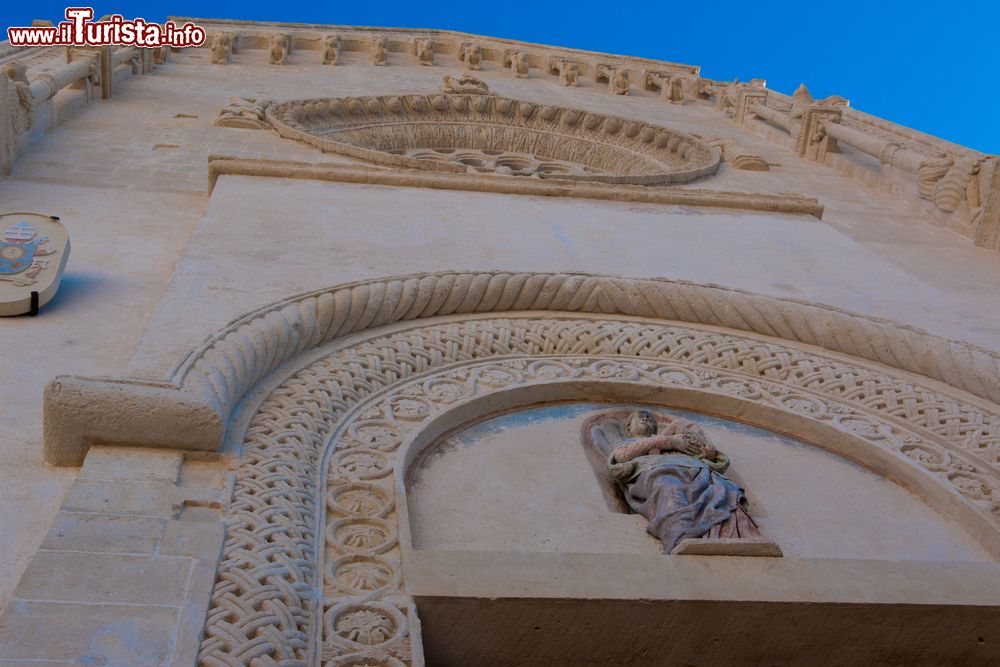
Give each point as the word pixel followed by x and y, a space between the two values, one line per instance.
pixel 484 133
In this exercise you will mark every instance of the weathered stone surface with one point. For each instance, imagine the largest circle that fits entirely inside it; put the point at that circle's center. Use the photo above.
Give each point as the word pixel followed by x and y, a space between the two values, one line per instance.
pixel 101 634
pixel 232 348
pixel 78 531
pixel 67 576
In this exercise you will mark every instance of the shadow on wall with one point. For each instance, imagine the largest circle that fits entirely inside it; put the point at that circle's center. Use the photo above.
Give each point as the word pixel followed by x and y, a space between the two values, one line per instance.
pixel 79 288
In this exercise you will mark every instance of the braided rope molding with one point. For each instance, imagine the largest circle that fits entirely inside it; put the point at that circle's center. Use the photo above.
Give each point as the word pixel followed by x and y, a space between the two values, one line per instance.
pixel 262 604
pixel 191 409
pixel 232 361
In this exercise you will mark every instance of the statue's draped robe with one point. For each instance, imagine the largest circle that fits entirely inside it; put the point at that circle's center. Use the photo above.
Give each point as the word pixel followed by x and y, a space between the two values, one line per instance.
pixel 682 496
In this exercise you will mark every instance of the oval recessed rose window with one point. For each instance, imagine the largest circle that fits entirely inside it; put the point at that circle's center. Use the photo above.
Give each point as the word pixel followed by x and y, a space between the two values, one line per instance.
pixel 489 134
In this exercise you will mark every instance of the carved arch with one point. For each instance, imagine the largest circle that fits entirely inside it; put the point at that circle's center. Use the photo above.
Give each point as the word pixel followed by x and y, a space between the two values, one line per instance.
pixel 203 389
pixel 270 594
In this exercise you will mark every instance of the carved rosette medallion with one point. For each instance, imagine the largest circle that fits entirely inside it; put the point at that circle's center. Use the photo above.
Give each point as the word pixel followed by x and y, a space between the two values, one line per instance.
pixel 404 130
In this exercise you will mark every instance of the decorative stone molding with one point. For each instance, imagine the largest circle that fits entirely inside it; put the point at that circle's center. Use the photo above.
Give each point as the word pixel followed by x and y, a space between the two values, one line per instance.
pixel 371 128
pixel 552 186
pixel 334 429
pixel 244 112
pixel 24 101
pixel 361 39
pixel 958 187
pixel 191 410
pixel 516 164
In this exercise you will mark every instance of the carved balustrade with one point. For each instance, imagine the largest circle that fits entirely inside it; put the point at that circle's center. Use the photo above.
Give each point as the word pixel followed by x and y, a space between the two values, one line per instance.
pixel 958 187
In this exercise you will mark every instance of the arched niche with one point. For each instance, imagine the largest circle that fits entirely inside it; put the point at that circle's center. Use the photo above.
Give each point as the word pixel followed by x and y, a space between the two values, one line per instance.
pixel 522 480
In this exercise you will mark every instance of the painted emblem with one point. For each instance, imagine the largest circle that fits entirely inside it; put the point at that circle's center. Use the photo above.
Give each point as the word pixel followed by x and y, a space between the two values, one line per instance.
pixel 33 253
pixel 19 248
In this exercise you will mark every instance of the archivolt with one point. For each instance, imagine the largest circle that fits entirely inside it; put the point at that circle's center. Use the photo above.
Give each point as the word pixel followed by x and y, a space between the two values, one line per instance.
pixel 232 361
pixel 263 604
pixel 209 382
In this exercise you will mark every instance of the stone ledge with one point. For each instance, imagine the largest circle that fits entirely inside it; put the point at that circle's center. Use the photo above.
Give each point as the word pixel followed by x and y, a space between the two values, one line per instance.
pixel 549 187
pixel 565 575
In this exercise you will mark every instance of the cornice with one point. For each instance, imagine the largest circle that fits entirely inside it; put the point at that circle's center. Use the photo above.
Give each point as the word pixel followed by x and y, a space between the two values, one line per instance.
pixel 349 33
pixel 219 165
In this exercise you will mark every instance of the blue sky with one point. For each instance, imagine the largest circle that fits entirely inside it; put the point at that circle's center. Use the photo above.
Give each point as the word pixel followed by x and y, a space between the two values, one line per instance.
pixel 930 66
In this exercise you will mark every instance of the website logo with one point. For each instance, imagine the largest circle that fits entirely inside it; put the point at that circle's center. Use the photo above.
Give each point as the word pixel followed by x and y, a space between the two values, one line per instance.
pixel 79 29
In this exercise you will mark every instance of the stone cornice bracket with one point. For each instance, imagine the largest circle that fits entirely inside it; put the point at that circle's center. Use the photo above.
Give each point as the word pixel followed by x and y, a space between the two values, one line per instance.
pixel 480 47
pixel 567 71
pixel 80 412
pixel 813 141
pixel 192 409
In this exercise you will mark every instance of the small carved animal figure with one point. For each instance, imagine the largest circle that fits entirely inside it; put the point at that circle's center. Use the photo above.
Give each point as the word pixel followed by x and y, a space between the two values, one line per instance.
pixel 331 49
pixel 673 91
pixel 619 82
pixel 424 50
pixel 568 74
pixel 466 85
pixel 472 56
pixel 222 46
pixel 519 65
pixel 17 72
pixel 279 49
pixel 377 55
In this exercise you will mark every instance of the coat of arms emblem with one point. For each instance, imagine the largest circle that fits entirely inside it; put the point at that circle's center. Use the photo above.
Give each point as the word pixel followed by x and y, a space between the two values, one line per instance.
pixel 19 247
pixel 33 253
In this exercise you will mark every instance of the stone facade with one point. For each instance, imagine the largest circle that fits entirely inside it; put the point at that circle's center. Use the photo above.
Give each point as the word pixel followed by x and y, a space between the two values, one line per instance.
pixel 309 260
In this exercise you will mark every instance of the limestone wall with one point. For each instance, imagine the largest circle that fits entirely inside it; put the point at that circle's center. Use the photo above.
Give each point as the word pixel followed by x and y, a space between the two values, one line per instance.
pixel 159 263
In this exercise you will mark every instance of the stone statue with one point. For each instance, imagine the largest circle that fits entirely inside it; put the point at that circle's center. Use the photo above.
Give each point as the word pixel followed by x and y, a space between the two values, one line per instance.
pixel 377 55
pixel 671 473
pixel 331 49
